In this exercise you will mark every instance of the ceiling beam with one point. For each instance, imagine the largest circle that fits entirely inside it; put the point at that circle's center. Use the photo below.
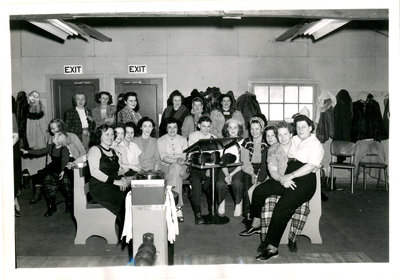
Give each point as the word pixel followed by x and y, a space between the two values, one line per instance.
pixel 347 14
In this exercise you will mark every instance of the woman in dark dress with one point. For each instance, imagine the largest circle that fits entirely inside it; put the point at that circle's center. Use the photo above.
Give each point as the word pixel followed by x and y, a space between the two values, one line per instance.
pixel 176 110
pixel 107 184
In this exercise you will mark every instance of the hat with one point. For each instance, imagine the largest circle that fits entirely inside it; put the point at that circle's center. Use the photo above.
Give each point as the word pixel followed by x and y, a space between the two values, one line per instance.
pixel 303 111
pixel 259 120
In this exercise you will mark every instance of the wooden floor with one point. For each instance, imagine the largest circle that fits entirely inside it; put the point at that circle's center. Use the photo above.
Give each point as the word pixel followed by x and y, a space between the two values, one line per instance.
pixel 102 261
pixel 354 229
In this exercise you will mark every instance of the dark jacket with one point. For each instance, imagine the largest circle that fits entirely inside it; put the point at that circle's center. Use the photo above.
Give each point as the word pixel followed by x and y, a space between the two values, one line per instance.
pixel 74 124
pixel 367 120
pixel 342 115
pixel 247 104
pixel 325 127
pixel 179 115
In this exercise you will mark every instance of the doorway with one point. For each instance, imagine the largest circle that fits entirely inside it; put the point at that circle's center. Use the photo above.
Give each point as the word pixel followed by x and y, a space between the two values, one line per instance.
pixel 64 90
pixel 149 92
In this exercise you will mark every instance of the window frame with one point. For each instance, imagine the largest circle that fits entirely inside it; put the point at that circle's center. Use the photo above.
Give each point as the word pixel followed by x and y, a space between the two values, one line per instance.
pixel 289 82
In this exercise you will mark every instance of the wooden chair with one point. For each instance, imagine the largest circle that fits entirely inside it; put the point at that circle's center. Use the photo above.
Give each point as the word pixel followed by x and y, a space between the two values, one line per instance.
pixel 342 149
pixel 91 217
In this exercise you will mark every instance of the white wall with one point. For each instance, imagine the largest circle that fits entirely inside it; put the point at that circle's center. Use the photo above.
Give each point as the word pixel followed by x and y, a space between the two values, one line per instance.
pixel 195 56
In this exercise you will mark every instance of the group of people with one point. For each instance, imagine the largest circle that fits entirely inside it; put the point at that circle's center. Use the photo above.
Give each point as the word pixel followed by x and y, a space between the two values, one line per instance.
pixel 121 143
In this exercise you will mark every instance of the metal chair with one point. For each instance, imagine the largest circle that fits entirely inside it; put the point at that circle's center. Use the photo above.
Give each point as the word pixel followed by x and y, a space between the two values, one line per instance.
pixel 342 149
pixel 378 165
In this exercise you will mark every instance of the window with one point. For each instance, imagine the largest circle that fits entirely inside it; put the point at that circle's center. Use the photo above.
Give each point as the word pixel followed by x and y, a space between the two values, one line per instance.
pixel 282 100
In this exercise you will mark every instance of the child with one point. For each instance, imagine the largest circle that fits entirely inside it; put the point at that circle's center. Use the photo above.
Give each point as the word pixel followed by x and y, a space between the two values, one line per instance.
pixel 55 173
pixel 200 178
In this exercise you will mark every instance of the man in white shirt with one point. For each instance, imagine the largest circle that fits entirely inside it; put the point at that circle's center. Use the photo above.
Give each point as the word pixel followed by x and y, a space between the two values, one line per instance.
pixel 200 178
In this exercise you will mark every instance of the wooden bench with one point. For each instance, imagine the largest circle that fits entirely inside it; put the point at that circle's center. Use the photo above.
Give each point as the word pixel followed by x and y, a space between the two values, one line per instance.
pixel 91 217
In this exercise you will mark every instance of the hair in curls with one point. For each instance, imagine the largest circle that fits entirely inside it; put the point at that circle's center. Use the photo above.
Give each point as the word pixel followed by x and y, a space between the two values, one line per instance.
pixel 273 128
pixel 286 125
pixel 60 124
pixel 300 118
pixel 99 131
pixel 140 124
pixel 225 131
pixel 98 96
pixel 129 124
pixel 74 98
pixel 172 95
pixel 131 93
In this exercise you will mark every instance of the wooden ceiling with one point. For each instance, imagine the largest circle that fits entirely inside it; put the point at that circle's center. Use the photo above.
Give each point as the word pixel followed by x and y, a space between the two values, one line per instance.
pixel 346 14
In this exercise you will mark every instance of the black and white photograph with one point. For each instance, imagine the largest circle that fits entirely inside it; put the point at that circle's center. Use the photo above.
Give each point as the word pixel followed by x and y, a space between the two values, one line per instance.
pixel 199 139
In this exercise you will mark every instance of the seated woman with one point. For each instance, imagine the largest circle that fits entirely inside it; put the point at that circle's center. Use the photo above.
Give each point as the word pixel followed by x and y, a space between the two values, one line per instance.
pixel 129 152
pixel 297 186
pixel 149 159
pixel 107 184
pixel 232 176
pixel 170 148
pixel 271 137
pixel 254 158
pixel 175 110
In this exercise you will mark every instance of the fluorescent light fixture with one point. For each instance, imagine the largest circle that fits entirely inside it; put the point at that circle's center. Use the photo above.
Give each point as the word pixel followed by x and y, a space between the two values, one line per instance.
pixel 47 26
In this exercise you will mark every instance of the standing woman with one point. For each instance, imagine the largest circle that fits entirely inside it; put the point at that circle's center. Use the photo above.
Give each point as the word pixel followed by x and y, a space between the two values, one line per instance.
pixel 130 113
pixel 149 159
pixel 106 185
pixel 224 113
pixel 79 119
pixel 254 157
pixel 176 110
pixel 36 124
pixel 190 122
pixel 297 185
pixel 105 112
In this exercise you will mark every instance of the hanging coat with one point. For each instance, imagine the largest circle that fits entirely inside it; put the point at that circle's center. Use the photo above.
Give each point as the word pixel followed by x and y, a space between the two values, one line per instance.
pixel 342 115
pixel 367 120
pixel 386 115
pixel 247 103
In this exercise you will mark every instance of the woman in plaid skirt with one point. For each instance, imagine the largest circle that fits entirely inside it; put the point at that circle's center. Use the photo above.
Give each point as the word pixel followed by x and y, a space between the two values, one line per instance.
pixel 55 174
pixel 297 185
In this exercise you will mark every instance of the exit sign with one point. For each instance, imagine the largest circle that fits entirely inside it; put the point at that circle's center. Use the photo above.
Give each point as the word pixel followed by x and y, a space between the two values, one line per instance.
pixel 73 69
pixel 137 69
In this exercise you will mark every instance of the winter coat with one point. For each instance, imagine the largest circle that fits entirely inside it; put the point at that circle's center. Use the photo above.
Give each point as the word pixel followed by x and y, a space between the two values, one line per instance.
pixel 247 103
pixel 342 115
pixel 367 120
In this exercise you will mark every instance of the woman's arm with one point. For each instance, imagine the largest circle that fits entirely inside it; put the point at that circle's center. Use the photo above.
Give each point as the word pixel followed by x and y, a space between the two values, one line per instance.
pixel 247 167
pixel 94 156
pixel 302 171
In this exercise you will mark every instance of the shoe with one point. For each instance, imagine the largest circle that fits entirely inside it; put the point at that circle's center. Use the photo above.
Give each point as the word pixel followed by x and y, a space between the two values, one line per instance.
pixel 221 208
pixel 262 247
pixel 17 213
pixel 238 210
pixel 179 214
pixel 292 247
pixel 246 222
pixel 266 255
pixel 198 219
pixel 250 231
